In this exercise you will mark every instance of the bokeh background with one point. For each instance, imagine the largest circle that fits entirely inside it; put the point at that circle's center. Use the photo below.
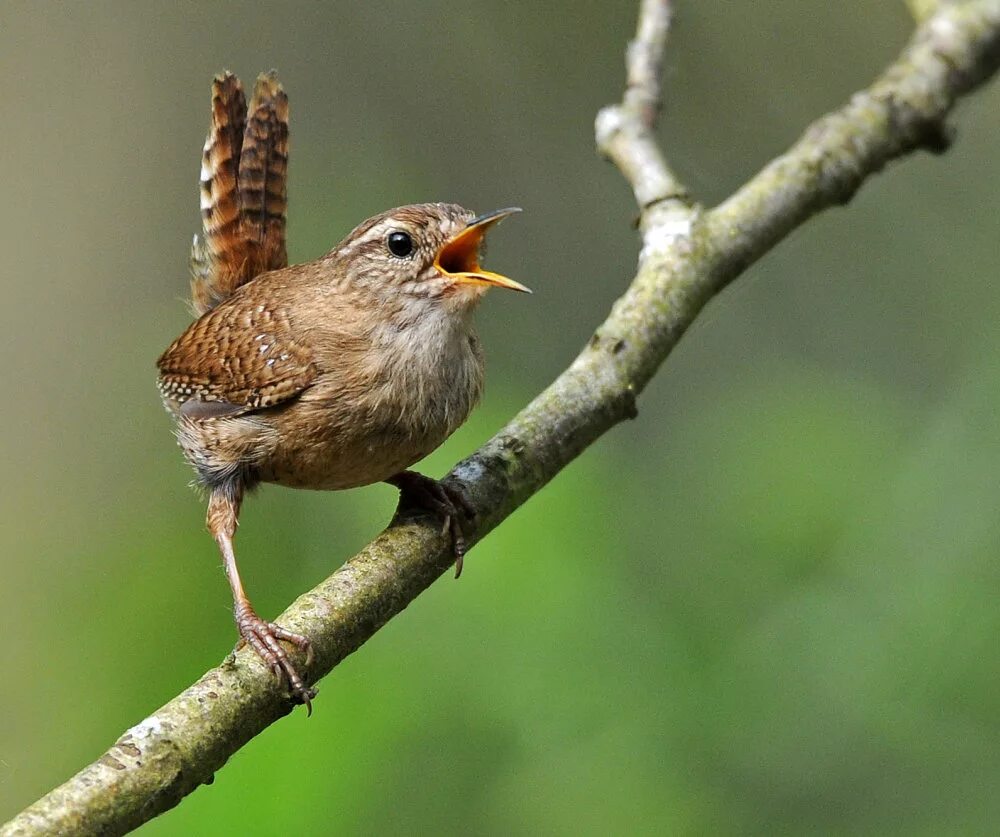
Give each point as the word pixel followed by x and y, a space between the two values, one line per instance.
pixel 769 605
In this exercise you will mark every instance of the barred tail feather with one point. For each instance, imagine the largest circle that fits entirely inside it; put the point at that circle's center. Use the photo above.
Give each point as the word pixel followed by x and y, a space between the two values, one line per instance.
pixel 262 176
pixel 216 260
pixel 243 190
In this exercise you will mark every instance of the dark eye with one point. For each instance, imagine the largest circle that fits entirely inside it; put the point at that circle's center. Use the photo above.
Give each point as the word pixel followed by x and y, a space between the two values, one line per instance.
pixel 400 244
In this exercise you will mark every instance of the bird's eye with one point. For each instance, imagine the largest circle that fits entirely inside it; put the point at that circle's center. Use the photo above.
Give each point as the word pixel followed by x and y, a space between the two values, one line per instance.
pixel 400 244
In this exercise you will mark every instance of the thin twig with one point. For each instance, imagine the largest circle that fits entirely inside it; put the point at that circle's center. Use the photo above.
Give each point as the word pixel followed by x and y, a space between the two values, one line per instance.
pixel 644 60
pixel 625 131
pixel 162 759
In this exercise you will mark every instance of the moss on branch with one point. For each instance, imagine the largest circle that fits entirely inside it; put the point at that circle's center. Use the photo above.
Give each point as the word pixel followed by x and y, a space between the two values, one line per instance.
pixel 687 256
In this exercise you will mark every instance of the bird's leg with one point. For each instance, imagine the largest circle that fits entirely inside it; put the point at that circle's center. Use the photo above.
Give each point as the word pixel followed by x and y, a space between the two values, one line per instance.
pixel 449 503
pixel 223 511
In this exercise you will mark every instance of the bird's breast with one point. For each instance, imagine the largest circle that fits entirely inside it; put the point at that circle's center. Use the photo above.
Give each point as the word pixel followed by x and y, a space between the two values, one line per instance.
pixel 393 407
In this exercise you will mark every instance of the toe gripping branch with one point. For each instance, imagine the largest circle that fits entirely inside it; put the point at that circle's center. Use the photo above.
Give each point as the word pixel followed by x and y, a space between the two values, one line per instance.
pixel 448 503
pixel 264 638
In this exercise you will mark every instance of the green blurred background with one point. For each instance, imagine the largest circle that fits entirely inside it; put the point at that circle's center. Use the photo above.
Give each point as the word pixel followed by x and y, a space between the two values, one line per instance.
pixel 769 605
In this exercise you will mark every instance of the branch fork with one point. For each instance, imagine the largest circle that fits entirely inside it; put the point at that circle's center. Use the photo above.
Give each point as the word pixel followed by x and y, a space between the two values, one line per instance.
pixel 688 254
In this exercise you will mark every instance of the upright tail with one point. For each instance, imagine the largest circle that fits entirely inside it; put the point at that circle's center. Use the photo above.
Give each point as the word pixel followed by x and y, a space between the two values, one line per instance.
pixel 243 190
pixel 263 174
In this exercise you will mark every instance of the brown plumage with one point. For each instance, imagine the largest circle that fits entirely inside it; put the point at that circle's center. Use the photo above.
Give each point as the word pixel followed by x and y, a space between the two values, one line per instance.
pixel 332 374
pixel 243 189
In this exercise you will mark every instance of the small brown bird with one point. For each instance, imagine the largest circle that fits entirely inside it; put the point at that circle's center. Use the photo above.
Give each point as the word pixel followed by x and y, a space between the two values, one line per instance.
pixel 332 374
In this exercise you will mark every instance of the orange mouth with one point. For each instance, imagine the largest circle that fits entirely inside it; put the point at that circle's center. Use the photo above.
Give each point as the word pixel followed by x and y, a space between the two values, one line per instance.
pixel 458 258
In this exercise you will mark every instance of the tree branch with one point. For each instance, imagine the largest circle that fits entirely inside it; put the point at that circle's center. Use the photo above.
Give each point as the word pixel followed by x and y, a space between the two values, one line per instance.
pixel 625 131
pixel 688 255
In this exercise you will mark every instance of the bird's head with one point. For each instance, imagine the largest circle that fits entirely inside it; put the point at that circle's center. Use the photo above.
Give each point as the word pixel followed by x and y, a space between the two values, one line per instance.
pixel 427 251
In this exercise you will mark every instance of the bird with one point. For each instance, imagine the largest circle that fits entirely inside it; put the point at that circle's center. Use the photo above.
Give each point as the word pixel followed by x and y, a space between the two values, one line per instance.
pixel 331 374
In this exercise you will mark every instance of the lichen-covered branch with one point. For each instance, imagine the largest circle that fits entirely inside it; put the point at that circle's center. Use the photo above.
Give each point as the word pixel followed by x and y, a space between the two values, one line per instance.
pixel 688 254
pixel 953 51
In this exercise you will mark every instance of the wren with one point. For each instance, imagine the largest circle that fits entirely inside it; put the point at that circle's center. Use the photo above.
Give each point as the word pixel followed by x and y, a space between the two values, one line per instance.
pixel 336 373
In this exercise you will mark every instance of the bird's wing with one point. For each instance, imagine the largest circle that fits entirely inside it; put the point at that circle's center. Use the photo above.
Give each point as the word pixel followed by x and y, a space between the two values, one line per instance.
pixel 238 358
pixel 243 190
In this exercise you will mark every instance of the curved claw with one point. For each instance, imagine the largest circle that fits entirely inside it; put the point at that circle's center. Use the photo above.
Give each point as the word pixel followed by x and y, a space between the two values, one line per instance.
pixel 448 502
pixel 263 638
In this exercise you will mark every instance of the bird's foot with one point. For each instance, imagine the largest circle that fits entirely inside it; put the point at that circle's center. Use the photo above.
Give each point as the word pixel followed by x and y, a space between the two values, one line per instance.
pixel 446 501
pixel 263 637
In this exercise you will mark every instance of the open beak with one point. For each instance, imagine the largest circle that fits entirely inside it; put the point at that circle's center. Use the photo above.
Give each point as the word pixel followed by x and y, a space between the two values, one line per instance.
pixel 458 258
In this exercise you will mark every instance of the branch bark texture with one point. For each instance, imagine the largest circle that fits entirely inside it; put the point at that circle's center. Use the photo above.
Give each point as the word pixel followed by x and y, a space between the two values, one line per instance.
pixel 688 255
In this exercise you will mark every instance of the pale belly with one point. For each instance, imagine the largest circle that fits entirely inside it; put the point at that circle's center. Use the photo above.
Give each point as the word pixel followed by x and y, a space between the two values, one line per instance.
pixel 334 466
pixel 325 455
